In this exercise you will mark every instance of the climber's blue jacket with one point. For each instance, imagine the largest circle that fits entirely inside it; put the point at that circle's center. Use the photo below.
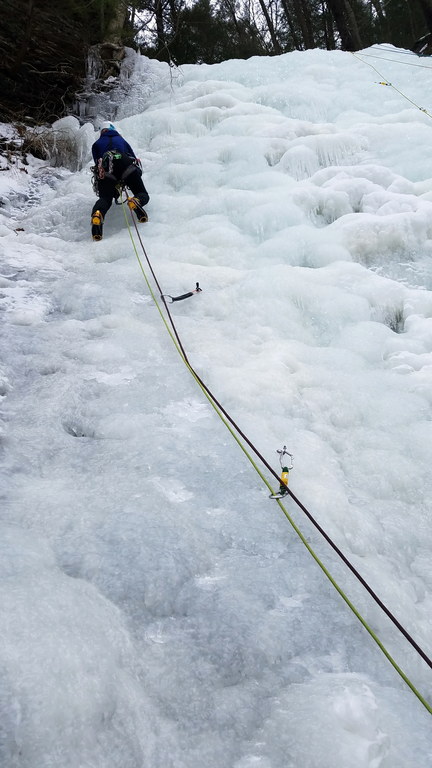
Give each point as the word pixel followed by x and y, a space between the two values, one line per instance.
pixel 110 140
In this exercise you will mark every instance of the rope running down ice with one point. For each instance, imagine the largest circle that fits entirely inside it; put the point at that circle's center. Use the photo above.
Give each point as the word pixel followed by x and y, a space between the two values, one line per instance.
pixel 227 420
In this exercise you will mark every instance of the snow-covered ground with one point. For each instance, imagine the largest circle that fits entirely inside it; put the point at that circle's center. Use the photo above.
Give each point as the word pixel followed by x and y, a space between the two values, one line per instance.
pixel 157 610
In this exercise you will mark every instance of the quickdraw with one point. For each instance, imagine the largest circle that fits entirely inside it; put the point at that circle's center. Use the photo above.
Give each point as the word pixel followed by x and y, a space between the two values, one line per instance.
pixel 285 470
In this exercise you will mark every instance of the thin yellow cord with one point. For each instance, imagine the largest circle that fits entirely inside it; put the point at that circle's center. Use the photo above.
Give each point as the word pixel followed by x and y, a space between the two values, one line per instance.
pixel 395 61
pixel 386 82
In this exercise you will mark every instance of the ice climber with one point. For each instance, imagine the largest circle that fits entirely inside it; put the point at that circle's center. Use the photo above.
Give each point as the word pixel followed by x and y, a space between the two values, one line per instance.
pixel 115 163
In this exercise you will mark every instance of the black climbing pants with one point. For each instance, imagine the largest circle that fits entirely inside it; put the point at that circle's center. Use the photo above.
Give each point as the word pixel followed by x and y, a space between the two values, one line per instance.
pixel 107 191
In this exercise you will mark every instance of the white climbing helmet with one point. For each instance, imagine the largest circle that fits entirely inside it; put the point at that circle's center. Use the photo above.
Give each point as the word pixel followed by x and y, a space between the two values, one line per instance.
pixel 107 126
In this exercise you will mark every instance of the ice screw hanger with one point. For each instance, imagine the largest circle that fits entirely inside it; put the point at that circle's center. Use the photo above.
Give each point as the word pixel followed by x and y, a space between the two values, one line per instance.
pixel 183 296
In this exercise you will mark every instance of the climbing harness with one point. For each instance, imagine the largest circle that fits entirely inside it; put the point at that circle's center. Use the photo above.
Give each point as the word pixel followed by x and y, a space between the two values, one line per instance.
pixel 285 470
pixel 105 165
pixel 183 296
pixel 236 433
pixel 99 173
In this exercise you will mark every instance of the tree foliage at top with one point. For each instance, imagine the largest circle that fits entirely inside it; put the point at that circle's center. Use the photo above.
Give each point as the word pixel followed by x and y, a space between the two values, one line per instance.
pixel 203 34
pixel 43 45
pixel 212 30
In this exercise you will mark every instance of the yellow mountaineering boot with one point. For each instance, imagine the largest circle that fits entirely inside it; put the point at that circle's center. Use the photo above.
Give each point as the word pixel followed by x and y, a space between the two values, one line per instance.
pixel 97 225
pixel 135 205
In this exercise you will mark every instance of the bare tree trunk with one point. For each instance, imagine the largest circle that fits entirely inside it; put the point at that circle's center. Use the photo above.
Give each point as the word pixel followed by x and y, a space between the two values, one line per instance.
pixel 297 44
pixel 276 45
pixel 382 18
pixel 346 24
pixel 116 22
pixel 309 25
pixel 426 6
pixel 111 49
pixel 232 11
pixel 160 27
pixel 304 19
pixel 328 27
pixel 379 10
pixel 175 9
pixel 22 50
pixel 353 26
pixel 414 36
